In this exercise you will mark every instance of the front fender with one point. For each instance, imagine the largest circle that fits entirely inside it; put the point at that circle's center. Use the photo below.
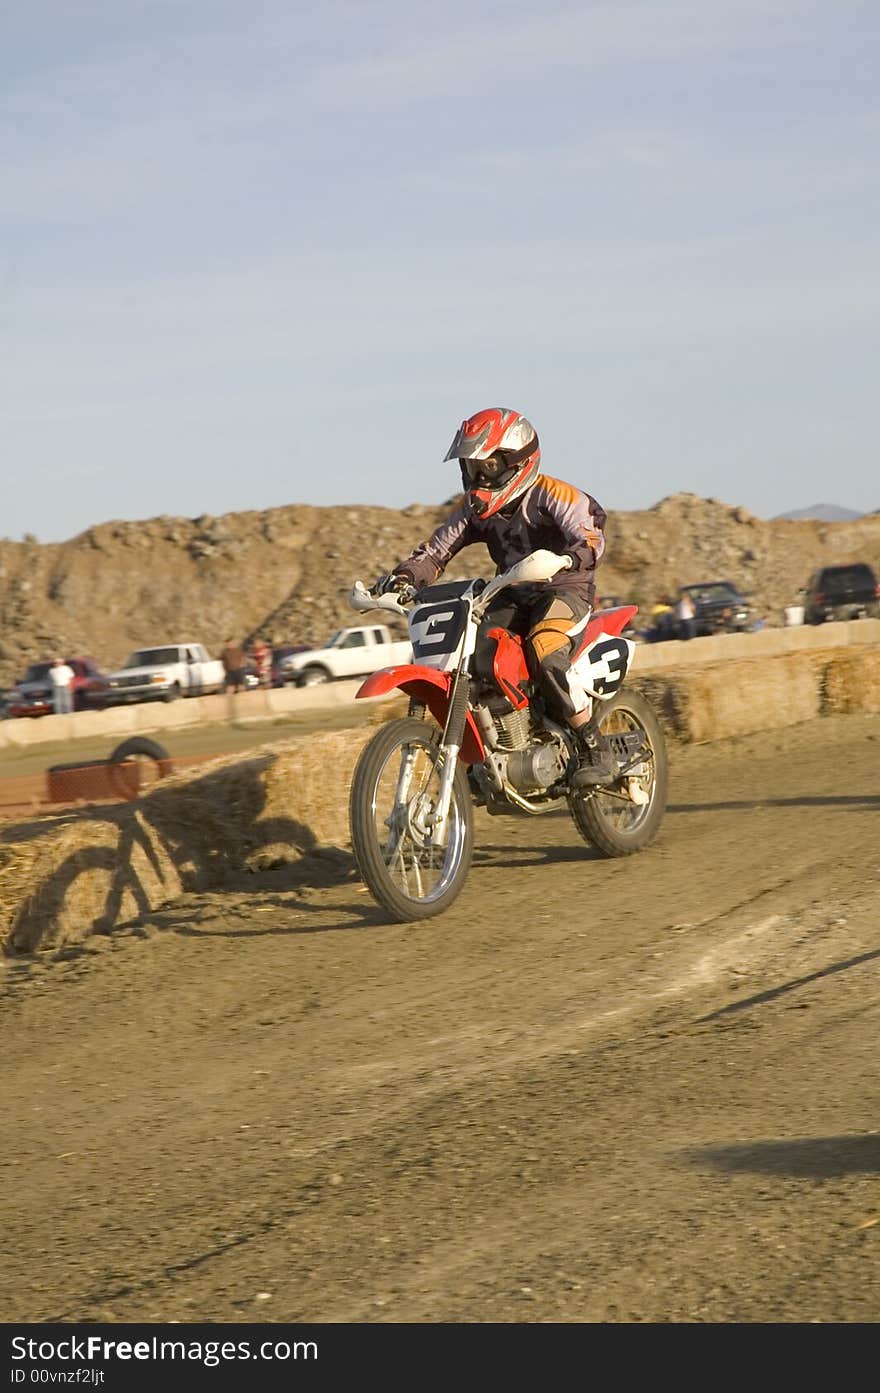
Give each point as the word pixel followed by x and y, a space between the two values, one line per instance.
pixel 432 688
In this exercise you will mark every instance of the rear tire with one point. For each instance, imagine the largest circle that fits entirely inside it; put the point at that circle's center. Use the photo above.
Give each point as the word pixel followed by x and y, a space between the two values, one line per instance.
pixel 605 817
pixel 407 877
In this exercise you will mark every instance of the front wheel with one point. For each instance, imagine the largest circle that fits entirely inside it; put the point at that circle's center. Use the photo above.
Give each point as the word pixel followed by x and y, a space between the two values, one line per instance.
pixel 393 797
pixel 312 676
pixel 625 816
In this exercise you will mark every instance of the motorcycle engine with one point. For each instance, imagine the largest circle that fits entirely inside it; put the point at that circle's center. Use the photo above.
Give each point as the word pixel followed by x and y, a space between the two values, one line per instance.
pixel 534 768
pixel 529 765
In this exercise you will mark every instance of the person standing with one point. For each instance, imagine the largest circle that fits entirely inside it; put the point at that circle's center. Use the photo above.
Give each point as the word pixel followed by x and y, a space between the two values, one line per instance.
pixel 61 675
pixel 263 662
pixel 233 661
pixel 686 615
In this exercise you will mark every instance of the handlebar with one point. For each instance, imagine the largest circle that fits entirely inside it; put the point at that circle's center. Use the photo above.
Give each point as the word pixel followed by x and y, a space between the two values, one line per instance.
pixel 538 566
pixel 362 599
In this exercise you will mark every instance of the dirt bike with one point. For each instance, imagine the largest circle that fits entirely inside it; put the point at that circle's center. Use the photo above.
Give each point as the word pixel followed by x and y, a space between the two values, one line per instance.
pixel 478 732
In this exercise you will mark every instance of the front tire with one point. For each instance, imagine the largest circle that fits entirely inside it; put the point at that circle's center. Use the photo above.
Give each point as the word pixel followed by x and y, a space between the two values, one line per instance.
pixel 313 676
pixel 393 791
pixel 606 817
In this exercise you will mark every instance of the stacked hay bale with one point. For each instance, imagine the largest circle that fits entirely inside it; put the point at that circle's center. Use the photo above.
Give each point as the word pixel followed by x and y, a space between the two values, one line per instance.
pixel 715 701
pixel 89 871
pixel 851 682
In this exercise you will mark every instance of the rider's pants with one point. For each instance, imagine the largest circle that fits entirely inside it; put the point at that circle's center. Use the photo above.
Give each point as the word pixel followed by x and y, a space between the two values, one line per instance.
pixel 551 624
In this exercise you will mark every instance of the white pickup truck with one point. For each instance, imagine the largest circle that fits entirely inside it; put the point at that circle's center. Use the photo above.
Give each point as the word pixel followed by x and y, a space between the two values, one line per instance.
pixel 352 652
pixel 163 674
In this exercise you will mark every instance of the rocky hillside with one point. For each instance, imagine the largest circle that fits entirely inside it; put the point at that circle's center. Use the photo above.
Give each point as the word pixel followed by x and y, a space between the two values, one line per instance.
pixel 286 572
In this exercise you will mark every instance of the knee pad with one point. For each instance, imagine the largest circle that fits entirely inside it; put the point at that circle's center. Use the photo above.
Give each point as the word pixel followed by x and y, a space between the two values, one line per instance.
pixel 549 636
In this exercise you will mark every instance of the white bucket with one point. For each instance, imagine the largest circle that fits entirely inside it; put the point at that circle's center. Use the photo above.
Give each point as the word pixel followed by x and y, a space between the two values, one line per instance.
pixel 794 614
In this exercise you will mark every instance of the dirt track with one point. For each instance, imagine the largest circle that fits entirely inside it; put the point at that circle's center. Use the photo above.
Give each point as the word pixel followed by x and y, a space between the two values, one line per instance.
pixel 637 1090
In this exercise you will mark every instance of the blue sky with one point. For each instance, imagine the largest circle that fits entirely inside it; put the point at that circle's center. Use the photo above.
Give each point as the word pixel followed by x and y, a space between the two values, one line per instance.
pixel 272 252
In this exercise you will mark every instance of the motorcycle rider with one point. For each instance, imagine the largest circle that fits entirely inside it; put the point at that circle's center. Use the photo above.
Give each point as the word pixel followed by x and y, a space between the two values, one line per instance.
pixel 514 510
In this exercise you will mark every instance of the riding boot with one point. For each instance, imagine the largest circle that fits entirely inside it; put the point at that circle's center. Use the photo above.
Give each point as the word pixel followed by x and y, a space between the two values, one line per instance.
pixel 596 763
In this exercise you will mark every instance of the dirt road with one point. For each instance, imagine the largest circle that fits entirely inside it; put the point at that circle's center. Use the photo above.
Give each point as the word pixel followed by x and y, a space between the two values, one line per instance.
pixel 636 1090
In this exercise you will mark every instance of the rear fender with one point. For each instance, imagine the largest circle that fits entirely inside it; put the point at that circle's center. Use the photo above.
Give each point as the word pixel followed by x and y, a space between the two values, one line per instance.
pixel 603 657
pixel 605 621
pixel 432 689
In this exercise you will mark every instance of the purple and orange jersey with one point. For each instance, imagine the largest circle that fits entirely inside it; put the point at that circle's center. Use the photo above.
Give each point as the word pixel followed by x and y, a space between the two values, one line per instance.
pixel 552 515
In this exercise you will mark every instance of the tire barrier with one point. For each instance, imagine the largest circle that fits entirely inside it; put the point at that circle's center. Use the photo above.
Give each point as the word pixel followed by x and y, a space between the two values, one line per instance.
pixel 125 774
pixel 81 780
pixel 135 765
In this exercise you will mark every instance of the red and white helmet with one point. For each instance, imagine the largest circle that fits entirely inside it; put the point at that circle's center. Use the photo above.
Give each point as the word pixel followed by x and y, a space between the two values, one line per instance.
pixel 499 456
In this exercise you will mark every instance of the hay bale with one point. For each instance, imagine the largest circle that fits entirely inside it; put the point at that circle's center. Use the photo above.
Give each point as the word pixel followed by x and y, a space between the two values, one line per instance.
pixel 305 799
pixel 98 870
pixel 394 709
pixel 82 876
pixel 714 701
pixel 851 681
pixel 736 697
pixel 753 694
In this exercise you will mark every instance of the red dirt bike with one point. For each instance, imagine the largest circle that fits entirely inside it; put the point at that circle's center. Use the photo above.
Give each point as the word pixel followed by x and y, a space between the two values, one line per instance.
pixel 478 732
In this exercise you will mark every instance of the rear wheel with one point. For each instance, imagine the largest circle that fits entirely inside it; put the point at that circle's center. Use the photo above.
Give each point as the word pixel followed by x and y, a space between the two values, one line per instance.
pixel 393 796
pixel 610 817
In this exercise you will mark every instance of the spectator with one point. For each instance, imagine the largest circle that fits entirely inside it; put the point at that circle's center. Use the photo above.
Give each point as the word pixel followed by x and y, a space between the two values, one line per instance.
pixel 233 661
pixel 61 676
pixel 686 615
pixel 662 619
pixel 263 662
pixel 663 606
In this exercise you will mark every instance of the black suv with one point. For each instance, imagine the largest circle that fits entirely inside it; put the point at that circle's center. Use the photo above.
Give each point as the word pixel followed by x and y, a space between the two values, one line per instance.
pixel 719 607
pixel 842 592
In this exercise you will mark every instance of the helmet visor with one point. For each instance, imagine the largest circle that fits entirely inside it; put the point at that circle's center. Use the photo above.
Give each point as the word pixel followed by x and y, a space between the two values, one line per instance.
pixel 467 445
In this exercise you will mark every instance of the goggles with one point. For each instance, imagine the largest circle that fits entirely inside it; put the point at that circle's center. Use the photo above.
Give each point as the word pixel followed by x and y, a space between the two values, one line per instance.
pixel 491 472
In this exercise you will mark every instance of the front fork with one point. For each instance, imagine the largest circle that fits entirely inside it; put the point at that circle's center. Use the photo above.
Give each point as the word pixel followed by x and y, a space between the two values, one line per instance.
pixel 426 825
pixel 436 822
pixel 450 744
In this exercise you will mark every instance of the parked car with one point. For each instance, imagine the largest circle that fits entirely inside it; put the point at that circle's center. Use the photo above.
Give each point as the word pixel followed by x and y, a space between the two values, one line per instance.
pixel 720 608
pixel 849 591
pixel 280 675
pixel 32 696
pixel 164 674
pixel 350 652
